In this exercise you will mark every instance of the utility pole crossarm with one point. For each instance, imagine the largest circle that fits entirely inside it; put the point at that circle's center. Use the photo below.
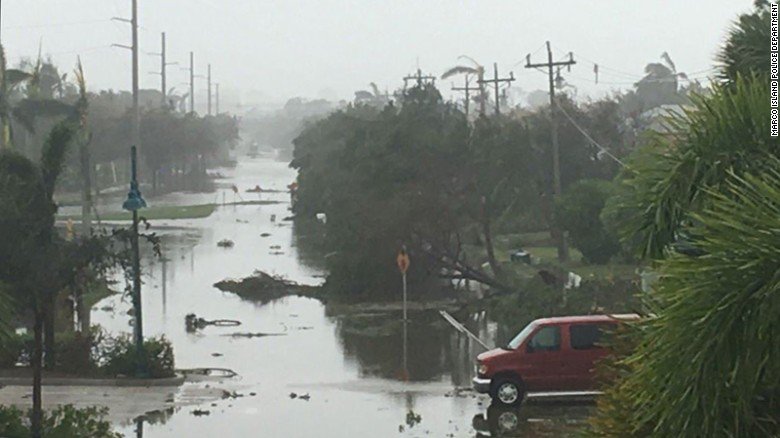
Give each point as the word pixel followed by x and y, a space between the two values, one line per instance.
pixel 496 81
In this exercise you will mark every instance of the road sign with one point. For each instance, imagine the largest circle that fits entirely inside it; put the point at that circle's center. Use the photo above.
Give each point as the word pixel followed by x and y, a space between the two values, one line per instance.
pixel 403 261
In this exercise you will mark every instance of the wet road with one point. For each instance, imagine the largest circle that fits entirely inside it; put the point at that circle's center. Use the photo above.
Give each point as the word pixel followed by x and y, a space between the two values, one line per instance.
pixel 349 371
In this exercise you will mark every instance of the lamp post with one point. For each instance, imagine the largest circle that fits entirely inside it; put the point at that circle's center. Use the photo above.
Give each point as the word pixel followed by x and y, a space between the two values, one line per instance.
pixel 133 203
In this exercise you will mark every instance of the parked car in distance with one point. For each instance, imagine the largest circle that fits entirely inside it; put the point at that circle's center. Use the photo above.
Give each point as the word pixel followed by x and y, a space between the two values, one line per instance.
pixel 549 354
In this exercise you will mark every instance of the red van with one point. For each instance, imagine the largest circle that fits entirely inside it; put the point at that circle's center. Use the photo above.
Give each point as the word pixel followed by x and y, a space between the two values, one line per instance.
pixel 550 354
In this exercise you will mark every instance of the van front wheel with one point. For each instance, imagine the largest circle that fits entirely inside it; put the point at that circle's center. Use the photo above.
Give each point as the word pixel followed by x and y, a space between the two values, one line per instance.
pixel 508 392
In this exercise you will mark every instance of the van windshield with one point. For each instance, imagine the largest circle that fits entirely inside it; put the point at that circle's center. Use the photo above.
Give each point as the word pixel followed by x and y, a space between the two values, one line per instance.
pixel 514 343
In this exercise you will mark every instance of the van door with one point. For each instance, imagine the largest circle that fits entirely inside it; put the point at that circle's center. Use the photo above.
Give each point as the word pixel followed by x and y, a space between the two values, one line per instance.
pixel 586 349
pixel 542 367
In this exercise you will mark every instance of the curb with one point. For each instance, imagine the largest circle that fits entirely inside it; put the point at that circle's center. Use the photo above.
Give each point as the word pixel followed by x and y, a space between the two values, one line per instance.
pixel 116 382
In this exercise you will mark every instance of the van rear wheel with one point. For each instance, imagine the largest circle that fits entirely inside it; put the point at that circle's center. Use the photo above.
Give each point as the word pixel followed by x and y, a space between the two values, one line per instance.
pixel 508 392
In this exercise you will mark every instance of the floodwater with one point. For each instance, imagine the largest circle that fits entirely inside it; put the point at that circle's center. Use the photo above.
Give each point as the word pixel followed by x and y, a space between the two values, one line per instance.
pixel 351 368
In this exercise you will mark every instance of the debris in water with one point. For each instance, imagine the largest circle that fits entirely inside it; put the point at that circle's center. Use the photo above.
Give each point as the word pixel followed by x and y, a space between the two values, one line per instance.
pixel 200 412
pixel 254 335
pixel 265 234
pixel 276 253
pixel 192 322
pixel 293 395
pixel 263 287
pixel 212 373
pixel 276 247
pixel 306 397
pixel 225 243
pixel 289 218
pixel 217 354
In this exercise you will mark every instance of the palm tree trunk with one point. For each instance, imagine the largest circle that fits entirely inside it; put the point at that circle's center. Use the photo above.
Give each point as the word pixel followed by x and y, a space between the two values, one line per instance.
pixel 37 364
pixel 494 266
pixel 86 189
pixel 49 313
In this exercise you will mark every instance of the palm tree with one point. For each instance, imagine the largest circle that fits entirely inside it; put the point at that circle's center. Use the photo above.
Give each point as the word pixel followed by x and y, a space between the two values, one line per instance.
pixel 478 70
pixel 29 107
pixel 27 250
pixel 707 363
pixel 9 80
pixel 746 49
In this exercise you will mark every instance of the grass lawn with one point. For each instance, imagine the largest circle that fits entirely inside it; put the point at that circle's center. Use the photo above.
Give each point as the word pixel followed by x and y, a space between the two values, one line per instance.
pixel 157 213
pixel 539 245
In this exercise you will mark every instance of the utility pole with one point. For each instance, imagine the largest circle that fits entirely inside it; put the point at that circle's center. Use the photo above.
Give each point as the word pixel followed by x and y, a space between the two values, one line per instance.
pixel 419 78
pixel 134 49
pixel 563 248
pixel 466 89
pixel 163 71
pixel 136 109
pixel 192 82
pixel 496 81
pixel 208 79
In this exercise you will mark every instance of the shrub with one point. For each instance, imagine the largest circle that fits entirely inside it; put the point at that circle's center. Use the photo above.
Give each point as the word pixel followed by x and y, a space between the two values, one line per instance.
pixel 579 212
pixel 118 358
pixel 12 349
pixel 76 351
pixel 63 422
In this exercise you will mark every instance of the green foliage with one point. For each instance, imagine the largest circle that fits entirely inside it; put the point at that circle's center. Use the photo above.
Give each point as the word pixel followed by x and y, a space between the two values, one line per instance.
pixel 579 212
pixel 95 354
pixel 63 422
pixel 76 352
pixel 118 357
pixel 746 52
pixel 12 348
pixel 665 181
pixel 708 364
pixel 418 173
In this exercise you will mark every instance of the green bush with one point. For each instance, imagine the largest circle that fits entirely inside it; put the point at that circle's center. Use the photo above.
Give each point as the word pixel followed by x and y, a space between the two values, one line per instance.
pixel 579 212
pixel 63 422
pixel 12 348
pixel 76 351
pixel 118 358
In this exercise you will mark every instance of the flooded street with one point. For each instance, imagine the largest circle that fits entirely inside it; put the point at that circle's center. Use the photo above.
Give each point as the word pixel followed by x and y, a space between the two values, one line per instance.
pixel 350 368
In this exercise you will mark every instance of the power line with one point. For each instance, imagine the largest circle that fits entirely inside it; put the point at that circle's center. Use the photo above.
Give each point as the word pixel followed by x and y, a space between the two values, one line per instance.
pixel 586 135
pixel 54 25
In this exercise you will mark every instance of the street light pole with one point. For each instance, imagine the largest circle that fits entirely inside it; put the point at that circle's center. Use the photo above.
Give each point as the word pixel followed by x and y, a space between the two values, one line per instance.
pixel 135 202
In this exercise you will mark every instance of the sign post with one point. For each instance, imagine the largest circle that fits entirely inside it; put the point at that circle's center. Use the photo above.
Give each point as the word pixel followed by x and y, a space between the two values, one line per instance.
pixel 402 260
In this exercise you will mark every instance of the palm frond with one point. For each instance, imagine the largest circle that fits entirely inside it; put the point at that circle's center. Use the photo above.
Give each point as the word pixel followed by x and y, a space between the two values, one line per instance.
pixel 665 180
pixel 14 77
pixel 28 110
pixel 472 60
pixel 457 70
pixel 709 364
pixel 747 46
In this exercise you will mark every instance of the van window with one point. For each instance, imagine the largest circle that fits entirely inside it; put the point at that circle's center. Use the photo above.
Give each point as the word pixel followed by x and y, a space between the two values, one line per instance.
pixel 587 336
pixel 546 339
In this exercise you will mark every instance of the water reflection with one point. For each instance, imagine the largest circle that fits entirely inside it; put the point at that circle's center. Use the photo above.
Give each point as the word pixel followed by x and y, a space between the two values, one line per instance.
pixel 531 421
pixel 435 350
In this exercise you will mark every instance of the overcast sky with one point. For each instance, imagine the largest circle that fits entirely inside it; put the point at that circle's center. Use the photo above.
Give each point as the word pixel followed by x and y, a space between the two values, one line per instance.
pixel 278 49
